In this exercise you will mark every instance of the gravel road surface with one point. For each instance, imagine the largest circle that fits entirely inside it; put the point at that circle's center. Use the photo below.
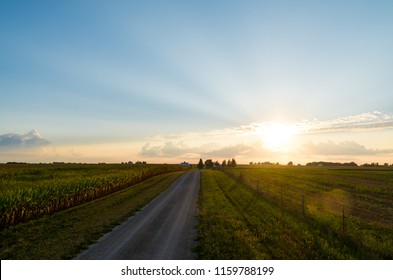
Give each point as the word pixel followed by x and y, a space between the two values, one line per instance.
pixel 164 229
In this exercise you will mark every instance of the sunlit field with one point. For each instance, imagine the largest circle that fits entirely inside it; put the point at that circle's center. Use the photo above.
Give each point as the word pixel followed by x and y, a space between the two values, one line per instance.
pixel 279 212
pixel 63 234
pixel 31 191
pixel 246 212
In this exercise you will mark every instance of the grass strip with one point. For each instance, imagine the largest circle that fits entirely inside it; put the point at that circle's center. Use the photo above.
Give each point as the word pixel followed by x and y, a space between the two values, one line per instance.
pixel 64 234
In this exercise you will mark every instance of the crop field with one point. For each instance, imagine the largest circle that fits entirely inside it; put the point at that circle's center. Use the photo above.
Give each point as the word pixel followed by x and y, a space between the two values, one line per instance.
pixel 277 212
pixel 31 191
pixel 64 234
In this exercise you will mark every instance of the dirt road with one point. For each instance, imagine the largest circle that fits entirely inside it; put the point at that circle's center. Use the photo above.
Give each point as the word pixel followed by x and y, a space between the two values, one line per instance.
pixel 164 229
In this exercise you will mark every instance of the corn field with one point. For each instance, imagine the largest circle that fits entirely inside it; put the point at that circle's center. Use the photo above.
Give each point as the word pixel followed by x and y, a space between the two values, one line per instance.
pixel 29 191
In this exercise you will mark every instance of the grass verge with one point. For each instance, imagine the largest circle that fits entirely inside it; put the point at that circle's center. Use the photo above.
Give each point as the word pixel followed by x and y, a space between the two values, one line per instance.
pixel 64 234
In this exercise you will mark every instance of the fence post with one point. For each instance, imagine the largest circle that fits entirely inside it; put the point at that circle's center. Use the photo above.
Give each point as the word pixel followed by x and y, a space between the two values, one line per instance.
pixel 282 202
pixel 343 221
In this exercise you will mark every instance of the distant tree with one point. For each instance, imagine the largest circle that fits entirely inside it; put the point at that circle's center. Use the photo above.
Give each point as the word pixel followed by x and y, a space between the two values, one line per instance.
pixel 200 164
pixel 229 163
pixel 233 163
pixel 290 163
pixel 217 164
pixel 251 163
pixel 209 163
pixel 224 163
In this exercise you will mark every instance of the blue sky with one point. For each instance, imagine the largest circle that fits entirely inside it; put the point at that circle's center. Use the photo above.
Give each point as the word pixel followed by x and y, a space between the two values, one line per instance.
pixel 162 80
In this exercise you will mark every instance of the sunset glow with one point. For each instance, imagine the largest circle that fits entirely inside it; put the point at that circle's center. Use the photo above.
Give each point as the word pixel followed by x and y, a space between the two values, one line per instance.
pixel 278 136
pixel 168 81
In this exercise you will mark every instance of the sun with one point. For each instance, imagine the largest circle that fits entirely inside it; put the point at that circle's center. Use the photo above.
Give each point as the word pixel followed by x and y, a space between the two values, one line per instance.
pixel 278 136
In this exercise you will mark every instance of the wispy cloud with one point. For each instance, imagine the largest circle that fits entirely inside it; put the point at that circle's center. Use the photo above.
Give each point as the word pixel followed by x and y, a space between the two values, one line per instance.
pixel 364 121
pixel 30 140
pixel 343 148
pixel 250 141
pixel 242 130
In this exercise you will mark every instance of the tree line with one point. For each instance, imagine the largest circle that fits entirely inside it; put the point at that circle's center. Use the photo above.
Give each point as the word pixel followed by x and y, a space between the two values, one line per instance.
pixel 209 164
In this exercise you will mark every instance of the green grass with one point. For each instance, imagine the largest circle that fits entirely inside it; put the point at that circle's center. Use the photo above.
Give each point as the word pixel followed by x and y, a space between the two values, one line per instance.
pixel 239 222
pixel 363 195
pixel 63 234
pixel 366 194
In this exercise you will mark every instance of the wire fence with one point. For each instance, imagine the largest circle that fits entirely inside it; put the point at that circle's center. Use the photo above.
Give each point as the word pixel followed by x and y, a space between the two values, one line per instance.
pixel 337 208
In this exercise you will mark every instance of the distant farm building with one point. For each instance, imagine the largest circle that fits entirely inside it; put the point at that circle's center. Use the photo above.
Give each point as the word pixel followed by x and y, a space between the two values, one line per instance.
pixel 184 163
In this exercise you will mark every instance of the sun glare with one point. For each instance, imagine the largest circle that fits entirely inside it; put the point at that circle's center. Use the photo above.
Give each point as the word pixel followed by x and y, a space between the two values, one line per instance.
pixel 278 136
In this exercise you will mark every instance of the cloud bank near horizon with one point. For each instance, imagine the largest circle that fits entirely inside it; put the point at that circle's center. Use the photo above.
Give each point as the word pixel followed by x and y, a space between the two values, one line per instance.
pixel 347 148
pixel 255 150
pixel 247 140
pixel 175 150
pixel 316 139
pixel 31 139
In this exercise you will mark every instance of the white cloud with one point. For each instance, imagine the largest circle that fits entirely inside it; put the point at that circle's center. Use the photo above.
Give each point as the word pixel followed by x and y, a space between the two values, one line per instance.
pixel 150 151
pixel 249 141
pixel 230 151
pixel 258 130
pixel 244 150
pixel 30 140
pixel 28 147
pixel 342 148
pixel 214 150
pixel 169 149
pixel 363 121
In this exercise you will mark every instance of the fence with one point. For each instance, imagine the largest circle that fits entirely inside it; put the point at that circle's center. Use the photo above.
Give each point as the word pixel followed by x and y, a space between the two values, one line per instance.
pixel 336 210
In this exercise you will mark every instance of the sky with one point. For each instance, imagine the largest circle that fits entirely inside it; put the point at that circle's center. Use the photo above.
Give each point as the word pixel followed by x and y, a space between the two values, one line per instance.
pixel 171 81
